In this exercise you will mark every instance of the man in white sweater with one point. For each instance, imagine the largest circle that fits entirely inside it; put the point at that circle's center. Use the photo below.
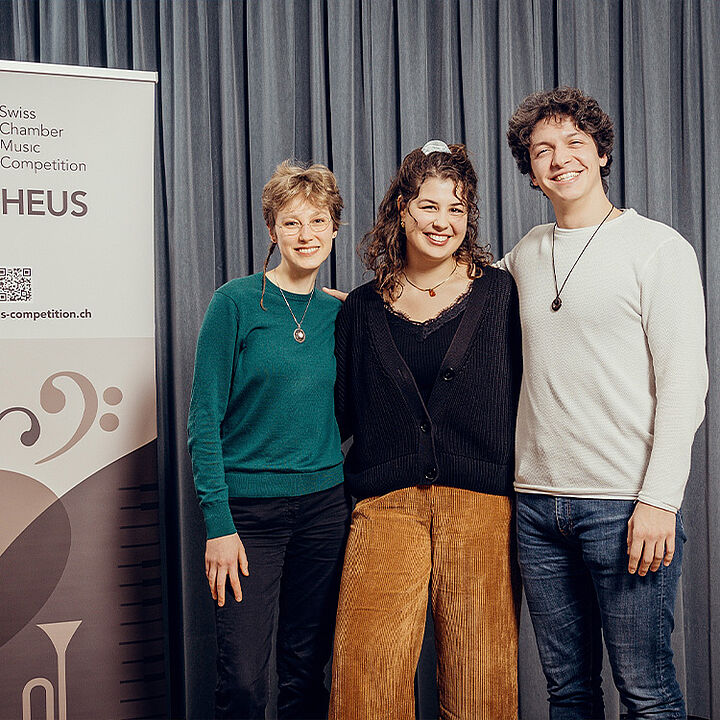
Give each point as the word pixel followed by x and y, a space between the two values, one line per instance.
pixel 614 386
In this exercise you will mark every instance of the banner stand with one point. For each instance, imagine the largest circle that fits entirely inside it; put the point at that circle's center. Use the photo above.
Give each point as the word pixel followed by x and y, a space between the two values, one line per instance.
pixel 82 627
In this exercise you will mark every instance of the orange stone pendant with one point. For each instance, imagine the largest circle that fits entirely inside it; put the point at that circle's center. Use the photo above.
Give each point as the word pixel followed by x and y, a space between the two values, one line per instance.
pixel 431 292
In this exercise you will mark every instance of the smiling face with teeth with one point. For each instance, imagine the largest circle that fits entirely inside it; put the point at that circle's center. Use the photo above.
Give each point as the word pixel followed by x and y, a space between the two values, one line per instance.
pixel 435 223
pixel 565 164
pixel 304 235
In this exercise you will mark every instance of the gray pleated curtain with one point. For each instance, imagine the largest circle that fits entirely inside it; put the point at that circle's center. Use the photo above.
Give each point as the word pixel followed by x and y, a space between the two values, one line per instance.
pixel 357 84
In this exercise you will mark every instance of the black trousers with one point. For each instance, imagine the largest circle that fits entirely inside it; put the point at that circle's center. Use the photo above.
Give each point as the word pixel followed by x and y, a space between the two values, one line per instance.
pixel 295 548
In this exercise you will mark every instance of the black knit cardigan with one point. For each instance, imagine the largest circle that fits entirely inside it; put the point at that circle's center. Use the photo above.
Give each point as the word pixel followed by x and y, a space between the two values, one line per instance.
pixel 465 436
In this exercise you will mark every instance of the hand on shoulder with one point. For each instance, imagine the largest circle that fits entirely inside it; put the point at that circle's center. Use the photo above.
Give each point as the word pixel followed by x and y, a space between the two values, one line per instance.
pixel 337 294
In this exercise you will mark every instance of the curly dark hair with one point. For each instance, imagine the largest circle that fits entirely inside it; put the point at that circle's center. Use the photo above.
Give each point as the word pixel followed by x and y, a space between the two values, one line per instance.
pixel 561 102
pixel 383 248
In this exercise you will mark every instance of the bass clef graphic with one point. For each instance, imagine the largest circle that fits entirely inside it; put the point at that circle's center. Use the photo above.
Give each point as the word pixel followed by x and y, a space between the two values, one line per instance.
pixel 30 436
pixel 52 400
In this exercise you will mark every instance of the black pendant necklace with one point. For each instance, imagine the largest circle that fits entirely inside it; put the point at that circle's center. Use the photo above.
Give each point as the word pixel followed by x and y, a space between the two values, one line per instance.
pixel 557 302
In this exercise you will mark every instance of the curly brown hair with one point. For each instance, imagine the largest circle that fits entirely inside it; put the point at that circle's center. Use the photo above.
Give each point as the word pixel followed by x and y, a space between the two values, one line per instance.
pixel 316 183
pixel 383 248
pixel 561 102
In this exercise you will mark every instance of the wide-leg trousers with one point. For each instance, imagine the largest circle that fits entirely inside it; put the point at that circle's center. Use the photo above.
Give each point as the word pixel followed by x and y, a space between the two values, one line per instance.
pixel 460 543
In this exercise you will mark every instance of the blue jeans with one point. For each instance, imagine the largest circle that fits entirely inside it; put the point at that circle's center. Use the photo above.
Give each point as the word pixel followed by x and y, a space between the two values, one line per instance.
pixel 295 549
pixel 573 561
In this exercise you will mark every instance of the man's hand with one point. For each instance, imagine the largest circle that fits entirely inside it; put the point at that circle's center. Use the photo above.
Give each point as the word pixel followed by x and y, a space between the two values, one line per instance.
pixel 222 556
pixel 650 539
pixel 339 294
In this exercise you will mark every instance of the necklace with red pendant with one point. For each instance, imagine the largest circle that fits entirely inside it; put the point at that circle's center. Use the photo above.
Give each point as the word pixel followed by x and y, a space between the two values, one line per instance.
pixel 431 290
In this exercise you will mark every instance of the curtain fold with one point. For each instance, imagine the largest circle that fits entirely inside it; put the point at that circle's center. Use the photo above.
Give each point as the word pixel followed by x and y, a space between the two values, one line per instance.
pixel 350 98
pixel 707 470
pixel 357 84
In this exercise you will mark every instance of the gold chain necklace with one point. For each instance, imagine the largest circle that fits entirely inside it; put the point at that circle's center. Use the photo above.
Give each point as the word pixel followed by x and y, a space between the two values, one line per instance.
pixel 298 332
pixel 431 290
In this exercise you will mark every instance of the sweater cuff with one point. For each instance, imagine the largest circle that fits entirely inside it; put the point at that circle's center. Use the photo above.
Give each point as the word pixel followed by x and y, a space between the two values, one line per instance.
pixel 218 520
pixel 656 503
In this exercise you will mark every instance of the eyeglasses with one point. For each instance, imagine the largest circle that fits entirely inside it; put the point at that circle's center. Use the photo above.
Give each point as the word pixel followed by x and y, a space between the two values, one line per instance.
pixel 291 228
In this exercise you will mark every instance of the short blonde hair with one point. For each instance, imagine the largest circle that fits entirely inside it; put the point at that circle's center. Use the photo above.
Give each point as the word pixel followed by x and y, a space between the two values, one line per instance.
pixel 316 183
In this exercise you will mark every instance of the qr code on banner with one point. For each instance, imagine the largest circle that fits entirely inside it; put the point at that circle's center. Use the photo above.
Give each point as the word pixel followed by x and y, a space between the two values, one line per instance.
pixel 15 284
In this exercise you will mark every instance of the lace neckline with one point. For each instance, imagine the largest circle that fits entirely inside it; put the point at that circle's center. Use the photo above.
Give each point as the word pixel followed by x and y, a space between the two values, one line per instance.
pixel 445 315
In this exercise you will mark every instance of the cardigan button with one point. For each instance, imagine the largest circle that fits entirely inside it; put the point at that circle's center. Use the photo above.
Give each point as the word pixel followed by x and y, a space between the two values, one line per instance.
pixel 431 473
pixel 449 374
pixel 425 427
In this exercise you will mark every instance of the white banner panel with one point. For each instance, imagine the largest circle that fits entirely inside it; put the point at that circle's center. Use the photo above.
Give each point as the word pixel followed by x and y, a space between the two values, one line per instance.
pixel 81 631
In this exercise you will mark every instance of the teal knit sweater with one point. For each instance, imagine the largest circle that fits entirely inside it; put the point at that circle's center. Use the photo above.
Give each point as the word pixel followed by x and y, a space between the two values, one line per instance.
pixel 262 420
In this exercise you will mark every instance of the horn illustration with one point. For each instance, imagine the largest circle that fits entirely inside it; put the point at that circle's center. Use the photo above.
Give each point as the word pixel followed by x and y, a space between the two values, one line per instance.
pixel 60 635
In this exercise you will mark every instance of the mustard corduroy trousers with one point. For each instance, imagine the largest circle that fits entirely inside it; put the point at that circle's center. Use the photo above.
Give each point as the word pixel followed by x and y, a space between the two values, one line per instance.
pixel 459 542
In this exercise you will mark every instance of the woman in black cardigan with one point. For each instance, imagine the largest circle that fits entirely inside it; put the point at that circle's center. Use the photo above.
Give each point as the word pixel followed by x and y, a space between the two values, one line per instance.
pixel 428 376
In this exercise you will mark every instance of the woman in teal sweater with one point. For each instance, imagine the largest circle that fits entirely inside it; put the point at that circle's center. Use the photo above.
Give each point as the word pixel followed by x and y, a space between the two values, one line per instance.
pixel 266 458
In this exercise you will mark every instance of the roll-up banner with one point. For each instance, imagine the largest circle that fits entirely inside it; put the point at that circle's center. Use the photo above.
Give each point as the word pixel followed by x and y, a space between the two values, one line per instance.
pixel 81 611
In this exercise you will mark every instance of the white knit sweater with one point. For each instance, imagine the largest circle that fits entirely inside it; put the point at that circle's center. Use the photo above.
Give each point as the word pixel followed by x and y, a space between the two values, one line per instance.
pixel 614 382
